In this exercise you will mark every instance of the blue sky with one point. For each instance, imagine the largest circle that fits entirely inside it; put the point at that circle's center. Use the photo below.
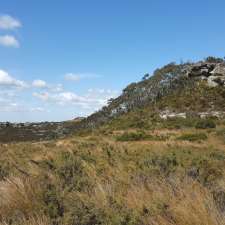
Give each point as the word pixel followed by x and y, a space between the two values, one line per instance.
pixel 62 59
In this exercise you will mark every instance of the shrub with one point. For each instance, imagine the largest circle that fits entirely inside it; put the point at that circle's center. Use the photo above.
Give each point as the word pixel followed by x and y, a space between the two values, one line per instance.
pixel 212 59
pixel 132 136
pixel 3 172
pixel 71 172
pixel 178 123
pixel 139 136
pixel 221 134
pixel 204 124
pixel 193 137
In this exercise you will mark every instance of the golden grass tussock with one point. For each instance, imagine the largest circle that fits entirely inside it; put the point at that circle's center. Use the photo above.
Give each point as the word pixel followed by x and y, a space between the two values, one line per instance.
pixel 19 195
pixel 36 220
pixel 177 202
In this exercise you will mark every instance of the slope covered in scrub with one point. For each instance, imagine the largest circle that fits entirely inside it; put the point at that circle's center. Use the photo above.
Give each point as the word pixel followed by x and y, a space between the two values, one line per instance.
pixel 154 156
pixel 190 88
pixel 132 176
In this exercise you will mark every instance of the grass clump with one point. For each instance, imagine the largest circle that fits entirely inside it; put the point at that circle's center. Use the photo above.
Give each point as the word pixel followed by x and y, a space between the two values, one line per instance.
pixel 139 136
pixel 205 124
pixel 133 136
pixel 3 172
pixel 193 137
pixel 221 134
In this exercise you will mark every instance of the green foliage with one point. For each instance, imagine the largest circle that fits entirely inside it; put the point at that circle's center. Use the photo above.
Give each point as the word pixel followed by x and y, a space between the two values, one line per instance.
pixel 193 137
pixel 139 136
pixel 205 124
pixel 132 136
pixel 82 212
pixel 52 200
pixel 221 134
pixel 212 59
pixel 177 123
pixel 162 164
pixel 4 172
pixel 93 180
pixel 71 172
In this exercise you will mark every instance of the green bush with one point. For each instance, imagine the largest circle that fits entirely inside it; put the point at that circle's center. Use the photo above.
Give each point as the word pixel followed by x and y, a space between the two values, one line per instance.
pixel 193 137
pixel 165 164
pixel 221 134
pixel 71 172
pixel 4 172
pixel 82 212
pixel 139 136
pixel 132 136
pixel 178 123
pixel 205 124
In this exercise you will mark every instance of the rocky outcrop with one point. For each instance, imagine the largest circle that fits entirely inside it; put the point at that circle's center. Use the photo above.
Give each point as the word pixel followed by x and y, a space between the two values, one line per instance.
pixel 167 114
pixel 213 73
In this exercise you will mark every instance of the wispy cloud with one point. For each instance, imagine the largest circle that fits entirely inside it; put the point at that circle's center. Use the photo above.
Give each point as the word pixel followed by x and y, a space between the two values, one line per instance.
pixel 39 84
pixel 9 81
pixel 94 99
pixel 7 22
pixel 14 94
pixel 80 76
pixel 9 41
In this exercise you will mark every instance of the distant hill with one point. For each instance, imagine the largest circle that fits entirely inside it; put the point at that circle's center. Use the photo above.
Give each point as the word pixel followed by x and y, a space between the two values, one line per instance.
pixel 176 90
pixel 188 89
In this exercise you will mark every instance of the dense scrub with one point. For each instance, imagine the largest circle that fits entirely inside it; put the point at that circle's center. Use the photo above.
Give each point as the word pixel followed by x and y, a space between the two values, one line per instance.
pixel 161 176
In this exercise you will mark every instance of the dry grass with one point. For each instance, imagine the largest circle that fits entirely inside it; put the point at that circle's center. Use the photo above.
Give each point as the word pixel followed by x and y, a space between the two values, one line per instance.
pixel 37 220
pixel 140 182
pixel 176 202
pixel 19 197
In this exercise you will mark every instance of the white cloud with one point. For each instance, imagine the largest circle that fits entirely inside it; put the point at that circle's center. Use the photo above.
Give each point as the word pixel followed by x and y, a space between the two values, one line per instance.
pixel 9 41
pixel 8 23
pixel 9 81
pixel 44 85
pixel 39 84
pixel 56 88
pixel 79 76
pixel 93 100
pixel 37 109
pixel 18 107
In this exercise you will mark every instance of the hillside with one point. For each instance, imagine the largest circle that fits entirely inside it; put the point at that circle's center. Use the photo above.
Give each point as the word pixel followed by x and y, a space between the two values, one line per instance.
pixel 187 90
pixel 184 90
pixel 154 156
pixel 170 175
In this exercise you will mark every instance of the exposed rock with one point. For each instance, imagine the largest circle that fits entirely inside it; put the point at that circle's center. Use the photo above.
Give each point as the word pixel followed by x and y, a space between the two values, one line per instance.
pixel 213 73
pixel 219 70
pixel 167 114
pixel 78 119
pixel 217 114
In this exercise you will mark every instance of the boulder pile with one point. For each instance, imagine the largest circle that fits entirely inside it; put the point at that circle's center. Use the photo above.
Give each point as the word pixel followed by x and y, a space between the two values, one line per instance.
pixel 213 73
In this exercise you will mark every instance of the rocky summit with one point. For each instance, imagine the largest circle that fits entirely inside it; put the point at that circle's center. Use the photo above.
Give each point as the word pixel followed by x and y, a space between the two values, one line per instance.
pixel 212 72
pixel 197 88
